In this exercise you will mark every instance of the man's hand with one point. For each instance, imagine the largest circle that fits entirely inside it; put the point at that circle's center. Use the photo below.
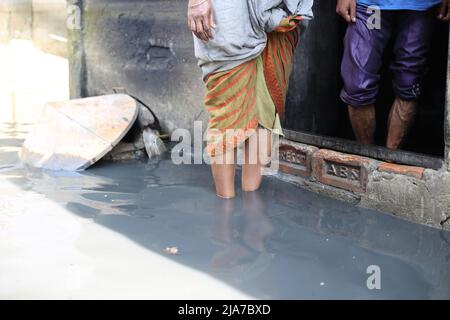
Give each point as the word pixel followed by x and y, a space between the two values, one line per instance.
pixel 347 10
pixel 444 11
pixel 201 19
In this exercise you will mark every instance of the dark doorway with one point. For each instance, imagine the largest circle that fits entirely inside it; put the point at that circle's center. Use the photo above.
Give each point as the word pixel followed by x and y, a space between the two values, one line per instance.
pixel 313 105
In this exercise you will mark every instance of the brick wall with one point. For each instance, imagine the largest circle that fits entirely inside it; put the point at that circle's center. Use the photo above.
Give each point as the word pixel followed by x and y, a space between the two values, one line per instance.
pixel 413 193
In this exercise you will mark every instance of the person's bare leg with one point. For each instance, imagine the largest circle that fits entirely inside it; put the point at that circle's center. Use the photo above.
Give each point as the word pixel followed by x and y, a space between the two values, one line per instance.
pixel 363 122
pixel 401 118
pixel 224 170
pixel 257 155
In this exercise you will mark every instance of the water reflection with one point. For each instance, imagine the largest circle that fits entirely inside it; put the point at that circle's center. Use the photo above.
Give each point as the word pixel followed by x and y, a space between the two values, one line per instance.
pixel 240 233
pixel 281 242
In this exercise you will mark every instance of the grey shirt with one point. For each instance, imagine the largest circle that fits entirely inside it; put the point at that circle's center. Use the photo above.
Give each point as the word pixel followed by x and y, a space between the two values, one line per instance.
pixel 240 35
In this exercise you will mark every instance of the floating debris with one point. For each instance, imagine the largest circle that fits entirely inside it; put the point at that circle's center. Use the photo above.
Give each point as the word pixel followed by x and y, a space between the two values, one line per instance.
pixel 153 143
pixel 172 250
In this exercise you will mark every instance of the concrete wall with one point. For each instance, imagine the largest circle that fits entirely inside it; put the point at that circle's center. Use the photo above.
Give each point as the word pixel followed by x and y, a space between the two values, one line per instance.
pixel 146 47
pixel 413 193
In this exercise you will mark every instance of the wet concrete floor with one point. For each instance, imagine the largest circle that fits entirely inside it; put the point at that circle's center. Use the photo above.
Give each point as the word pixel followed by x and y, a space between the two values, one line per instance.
pixel 102 234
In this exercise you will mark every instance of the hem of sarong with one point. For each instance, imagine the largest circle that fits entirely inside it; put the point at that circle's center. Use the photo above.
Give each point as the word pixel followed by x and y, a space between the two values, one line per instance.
pixel 225 147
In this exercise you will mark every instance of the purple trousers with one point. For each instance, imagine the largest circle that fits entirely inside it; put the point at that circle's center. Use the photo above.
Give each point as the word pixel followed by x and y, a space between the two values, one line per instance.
pixel 364 49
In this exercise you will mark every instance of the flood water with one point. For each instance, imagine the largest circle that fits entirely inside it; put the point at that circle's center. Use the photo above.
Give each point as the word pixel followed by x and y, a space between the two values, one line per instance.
pixel 108 228
pixel 281 242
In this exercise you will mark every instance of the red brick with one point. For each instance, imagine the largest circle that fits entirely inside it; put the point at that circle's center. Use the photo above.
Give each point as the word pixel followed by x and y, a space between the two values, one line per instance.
pixel 296 158
pixel 415 172
pixel 345 171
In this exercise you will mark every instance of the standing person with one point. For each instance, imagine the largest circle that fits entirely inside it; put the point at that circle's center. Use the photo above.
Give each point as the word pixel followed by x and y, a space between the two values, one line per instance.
pixel 246 51
pixel 409 23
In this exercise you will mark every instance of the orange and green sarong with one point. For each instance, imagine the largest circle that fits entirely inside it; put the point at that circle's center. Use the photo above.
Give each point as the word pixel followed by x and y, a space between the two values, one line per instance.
pixel 252 94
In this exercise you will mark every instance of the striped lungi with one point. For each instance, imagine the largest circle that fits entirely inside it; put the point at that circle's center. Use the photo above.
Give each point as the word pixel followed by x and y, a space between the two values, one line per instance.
pixel 252 94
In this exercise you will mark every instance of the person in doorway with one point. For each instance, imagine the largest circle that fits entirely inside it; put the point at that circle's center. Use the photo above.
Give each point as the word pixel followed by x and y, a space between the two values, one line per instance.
pixel 372 24
pixel 246 50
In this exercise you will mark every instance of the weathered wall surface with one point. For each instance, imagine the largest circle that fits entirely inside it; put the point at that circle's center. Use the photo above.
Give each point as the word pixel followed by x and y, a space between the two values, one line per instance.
pixel 145 47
